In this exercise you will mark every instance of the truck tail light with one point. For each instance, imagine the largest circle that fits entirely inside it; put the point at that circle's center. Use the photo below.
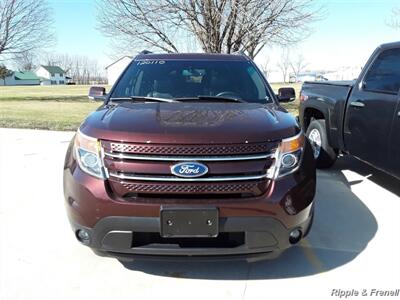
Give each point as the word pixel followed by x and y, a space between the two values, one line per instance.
pixel 303 97
pixel 288 156
pixel 87 152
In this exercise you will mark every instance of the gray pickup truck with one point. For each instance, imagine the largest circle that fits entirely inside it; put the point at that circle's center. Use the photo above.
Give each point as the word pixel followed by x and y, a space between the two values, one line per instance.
pixel 360 117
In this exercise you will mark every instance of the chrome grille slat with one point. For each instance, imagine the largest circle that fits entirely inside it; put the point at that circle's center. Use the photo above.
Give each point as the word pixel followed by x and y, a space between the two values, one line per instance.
pixel 125 176
pixel 188 158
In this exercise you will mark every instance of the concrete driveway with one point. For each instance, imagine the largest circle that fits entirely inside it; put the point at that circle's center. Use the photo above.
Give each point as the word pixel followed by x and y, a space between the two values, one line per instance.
pixel 353 246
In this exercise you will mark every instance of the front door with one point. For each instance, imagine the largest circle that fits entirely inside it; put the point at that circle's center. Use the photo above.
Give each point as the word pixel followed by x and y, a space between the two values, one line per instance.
pixel 371 109
pixel 394 155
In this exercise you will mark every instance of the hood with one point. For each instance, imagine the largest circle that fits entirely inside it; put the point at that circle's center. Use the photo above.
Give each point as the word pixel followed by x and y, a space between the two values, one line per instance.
pixel 190 123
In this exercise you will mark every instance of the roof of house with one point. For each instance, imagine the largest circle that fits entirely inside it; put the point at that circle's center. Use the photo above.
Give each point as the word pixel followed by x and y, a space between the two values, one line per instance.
pixel 53 69
pixel 25 76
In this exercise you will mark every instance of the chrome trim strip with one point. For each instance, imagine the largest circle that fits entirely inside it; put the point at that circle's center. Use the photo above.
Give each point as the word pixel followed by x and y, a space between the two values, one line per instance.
pixel 177 179
pixel 187 158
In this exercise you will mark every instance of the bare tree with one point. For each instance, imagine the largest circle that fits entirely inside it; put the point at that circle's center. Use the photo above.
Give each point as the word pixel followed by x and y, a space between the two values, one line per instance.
pixel 298 64
pixel 394 21
pixel 284 63
pixel 218 25
pixel 64 61
pixel 49 59
pixel 24 26
pixel 130 22
pixel 266 67
pixel 275 22
pixel 26 61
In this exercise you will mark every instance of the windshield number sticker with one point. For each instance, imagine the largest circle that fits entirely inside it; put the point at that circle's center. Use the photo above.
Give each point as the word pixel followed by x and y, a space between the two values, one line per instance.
pixel 150 62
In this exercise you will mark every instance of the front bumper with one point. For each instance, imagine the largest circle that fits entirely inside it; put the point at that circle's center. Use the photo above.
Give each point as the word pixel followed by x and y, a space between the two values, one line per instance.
pixel 115 236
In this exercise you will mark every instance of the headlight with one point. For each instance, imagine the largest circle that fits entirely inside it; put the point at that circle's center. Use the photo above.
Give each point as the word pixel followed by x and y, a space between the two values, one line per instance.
pixel 87 152
pixel 288 156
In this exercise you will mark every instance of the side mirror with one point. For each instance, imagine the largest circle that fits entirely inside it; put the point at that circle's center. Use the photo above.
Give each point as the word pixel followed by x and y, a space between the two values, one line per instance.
pixel 286 94
pixel 97 93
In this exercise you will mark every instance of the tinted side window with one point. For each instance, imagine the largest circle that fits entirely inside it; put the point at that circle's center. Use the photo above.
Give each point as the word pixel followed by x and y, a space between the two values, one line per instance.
pixel 384 74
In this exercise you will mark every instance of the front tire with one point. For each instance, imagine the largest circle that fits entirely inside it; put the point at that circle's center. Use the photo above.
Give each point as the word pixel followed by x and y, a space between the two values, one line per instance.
pixel 324 154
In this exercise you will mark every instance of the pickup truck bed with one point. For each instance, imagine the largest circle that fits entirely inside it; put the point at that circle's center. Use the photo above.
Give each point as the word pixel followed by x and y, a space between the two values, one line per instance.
pixel 328 100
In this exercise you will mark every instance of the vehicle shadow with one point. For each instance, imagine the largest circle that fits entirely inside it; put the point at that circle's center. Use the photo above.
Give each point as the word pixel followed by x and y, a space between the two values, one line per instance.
pixel 380 178
pixel 343 227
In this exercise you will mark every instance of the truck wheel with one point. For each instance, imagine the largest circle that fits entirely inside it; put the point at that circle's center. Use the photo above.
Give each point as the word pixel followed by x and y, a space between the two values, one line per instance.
pixel 324 154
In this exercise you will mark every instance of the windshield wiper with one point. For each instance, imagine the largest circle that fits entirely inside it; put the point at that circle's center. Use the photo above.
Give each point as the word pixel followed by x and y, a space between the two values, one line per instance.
pixel 143 98
pixel 174 100
pixel 205 97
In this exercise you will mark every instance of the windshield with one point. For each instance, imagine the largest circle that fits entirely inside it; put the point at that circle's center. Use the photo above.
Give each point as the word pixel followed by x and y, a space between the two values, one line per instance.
pixel 174 79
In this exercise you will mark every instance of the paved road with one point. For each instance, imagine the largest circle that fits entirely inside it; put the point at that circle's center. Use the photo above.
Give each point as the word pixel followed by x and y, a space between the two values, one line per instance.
pixel 354 243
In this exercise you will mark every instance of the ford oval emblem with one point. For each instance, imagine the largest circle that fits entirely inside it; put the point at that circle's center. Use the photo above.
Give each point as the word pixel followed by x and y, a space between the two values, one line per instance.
pixel 189 169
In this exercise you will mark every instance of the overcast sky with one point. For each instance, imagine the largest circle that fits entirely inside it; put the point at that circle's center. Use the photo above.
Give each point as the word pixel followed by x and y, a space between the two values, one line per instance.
pixel 347 35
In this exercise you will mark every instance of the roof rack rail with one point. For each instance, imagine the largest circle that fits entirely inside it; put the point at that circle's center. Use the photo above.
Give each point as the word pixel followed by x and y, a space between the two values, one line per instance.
pixel 145 52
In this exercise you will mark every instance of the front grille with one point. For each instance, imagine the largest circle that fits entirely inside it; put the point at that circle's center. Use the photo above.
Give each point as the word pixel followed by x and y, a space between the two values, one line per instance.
pixel 190 188
pixel 142 170
pixel 239 189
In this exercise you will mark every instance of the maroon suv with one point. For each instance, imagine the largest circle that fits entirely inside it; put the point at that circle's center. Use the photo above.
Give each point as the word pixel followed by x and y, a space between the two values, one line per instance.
pixel 190 155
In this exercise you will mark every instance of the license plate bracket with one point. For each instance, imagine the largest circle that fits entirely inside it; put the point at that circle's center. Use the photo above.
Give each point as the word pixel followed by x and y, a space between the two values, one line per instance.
pixel 176 222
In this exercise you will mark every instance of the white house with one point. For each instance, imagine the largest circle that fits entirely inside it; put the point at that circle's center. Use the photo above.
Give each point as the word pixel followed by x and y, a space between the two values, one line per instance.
pixel 51 75
pixel 116 68
pixel 21 78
